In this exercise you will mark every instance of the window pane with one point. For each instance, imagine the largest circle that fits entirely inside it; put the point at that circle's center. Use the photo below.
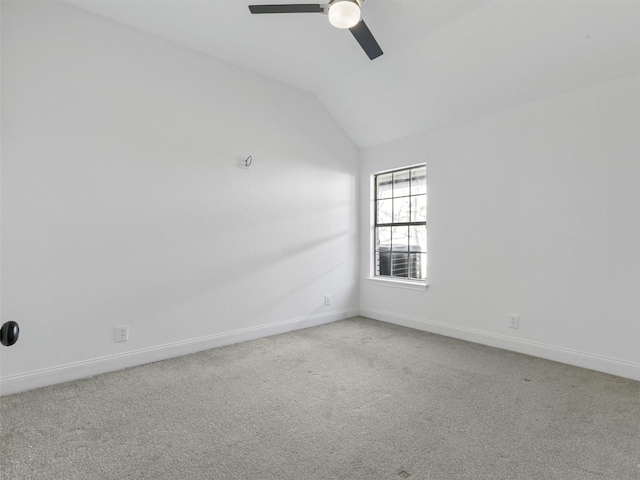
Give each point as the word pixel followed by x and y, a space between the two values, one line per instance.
pixel 383 212
pixel 401 183
pixel 419 208
pixel 383 264
pixel 383 185
pixel 400 239
pixel 419 180
pixel 402 210
pixel 418 239
pixel 417 267
pixel 399 264
pixel 383 239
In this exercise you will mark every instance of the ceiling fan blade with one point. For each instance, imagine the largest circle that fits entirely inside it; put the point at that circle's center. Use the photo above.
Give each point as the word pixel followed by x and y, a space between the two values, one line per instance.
pixel 294 8
pixel 365 39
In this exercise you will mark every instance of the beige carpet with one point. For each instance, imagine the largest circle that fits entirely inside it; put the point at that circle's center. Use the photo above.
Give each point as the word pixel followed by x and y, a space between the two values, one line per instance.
pixel 356 399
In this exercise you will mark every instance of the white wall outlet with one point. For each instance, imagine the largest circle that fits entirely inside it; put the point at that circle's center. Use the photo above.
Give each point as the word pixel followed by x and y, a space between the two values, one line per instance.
pixel 327 300
pixel 122 333
pixel 514 321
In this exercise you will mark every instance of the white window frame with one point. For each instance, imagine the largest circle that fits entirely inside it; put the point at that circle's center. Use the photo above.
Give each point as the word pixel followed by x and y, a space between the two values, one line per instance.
pixel 396 282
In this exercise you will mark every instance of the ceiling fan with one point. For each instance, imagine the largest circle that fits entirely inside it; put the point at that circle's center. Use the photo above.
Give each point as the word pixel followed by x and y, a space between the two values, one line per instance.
pixel 342 14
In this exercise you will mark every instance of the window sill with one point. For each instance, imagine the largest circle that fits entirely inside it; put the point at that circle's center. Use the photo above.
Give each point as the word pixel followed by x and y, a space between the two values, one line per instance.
pixel 394 282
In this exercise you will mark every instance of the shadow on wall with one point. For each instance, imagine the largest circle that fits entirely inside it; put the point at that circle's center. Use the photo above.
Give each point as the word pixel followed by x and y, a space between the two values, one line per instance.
pixel 222 280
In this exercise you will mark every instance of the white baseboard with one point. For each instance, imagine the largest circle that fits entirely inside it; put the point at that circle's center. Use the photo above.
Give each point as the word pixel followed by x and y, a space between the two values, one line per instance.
pixel 83 369
pixel 95 366
pixel 571 357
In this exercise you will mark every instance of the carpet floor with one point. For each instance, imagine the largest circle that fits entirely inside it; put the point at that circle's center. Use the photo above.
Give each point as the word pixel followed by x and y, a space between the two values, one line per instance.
pixel 355 399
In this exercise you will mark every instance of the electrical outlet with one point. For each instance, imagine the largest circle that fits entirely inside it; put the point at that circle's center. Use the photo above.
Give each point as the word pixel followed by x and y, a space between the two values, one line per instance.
pixel 514 321
pixel 122 333
pixel 327 300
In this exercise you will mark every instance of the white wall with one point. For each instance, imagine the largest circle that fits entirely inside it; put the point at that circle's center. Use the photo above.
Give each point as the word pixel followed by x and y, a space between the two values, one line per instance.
pixel 122 203
pixel 533 211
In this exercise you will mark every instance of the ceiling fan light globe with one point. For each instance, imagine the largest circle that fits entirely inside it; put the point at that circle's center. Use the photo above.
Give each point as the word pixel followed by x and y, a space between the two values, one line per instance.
pixel 344 13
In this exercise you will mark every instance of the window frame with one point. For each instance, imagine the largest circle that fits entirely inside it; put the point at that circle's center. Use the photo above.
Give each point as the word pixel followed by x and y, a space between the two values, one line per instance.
pixel 394 281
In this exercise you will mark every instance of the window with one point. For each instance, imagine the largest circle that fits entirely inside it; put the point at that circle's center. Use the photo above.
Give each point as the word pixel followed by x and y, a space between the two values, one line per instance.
pixel 400 223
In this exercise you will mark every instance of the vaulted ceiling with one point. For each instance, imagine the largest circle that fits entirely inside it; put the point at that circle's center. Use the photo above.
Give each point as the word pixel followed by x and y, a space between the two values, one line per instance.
pixel 444 61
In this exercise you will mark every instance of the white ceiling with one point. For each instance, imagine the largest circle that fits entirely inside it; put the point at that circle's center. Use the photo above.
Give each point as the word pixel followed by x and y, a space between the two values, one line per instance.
pixel 444 61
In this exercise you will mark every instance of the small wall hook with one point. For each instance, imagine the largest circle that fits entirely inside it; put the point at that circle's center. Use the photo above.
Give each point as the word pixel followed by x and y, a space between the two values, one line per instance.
pixel 245 162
